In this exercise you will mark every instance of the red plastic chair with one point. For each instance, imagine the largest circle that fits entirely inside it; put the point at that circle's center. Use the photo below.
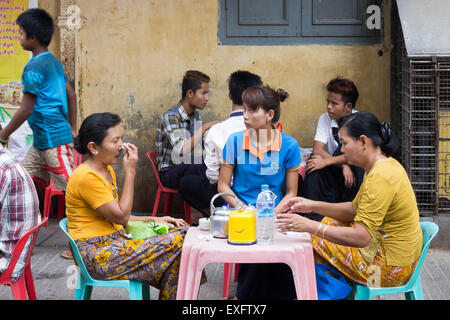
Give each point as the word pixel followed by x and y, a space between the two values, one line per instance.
pixel 168 192
pixel 52 191
pixel 25 284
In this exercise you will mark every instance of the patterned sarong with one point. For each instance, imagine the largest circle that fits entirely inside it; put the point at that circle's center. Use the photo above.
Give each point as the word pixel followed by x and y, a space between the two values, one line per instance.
pixel 367 266
pixel 154 260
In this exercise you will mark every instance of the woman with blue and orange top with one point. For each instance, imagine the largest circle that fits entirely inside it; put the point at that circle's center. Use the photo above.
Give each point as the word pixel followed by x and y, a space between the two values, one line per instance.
pixel 96 216
pixel 375 240
pixel 261 155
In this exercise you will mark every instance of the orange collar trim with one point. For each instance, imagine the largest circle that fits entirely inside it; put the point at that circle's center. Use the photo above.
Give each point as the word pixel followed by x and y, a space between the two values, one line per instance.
pixel 275 146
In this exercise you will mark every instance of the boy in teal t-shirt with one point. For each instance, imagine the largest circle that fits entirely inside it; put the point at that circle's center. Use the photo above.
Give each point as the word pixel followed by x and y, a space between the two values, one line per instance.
pixel 49 103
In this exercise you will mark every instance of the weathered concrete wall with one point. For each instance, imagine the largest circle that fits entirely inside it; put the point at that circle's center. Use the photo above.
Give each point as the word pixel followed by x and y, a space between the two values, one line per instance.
pixel 132 55
pixel 52 7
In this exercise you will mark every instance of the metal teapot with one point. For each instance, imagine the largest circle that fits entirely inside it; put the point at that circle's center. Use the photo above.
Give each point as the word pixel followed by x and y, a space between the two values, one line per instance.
pixel 219 217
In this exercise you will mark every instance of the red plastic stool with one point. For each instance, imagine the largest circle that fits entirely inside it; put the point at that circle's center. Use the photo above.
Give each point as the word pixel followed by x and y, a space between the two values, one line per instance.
pixel 52 191
pixel 25 284
pixel 168 192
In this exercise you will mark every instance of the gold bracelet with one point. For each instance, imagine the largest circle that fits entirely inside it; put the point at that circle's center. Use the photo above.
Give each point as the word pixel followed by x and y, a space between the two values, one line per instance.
pixel 318 229
pixel 325 230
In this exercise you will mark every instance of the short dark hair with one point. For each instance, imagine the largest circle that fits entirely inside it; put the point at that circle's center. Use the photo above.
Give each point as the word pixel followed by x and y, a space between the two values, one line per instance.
pixel 265 97
pixel 37 23
pixel 193 80
pixel 95 129
pixel 346 88
pixel 239 81
pixel 365 123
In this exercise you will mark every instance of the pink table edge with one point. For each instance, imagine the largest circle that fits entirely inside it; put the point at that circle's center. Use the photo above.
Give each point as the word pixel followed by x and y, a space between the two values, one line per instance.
pixel 294 249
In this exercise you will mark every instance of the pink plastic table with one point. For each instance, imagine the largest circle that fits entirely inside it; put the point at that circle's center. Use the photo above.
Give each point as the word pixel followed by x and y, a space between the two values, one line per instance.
pixel 294 249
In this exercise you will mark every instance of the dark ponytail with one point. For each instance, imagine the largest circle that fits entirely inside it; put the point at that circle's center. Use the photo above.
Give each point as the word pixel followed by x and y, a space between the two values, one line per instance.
pixel 365 123
pixel 78 146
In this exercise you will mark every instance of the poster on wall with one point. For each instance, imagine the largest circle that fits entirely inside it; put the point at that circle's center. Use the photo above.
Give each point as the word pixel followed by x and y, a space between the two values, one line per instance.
pixel 12 57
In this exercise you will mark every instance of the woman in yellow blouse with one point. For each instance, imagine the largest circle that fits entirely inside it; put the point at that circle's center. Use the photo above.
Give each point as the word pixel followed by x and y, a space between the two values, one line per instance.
pixel 376 239
pixel 96 216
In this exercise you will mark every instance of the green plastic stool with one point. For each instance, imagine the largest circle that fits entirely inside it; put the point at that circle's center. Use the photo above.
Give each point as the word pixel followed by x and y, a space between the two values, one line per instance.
pixel 413 289
pixel 85 283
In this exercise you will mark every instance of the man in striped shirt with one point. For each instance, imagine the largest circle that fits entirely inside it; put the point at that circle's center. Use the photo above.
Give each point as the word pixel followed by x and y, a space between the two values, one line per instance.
pixel 199 190
pixel 19 209
pixel 180 132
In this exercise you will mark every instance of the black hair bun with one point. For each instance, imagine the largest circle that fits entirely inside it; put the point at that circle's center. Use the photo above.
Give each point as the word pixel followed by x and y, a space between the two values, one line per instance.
pixel 386 131
pixel 282 95
pixel 390 143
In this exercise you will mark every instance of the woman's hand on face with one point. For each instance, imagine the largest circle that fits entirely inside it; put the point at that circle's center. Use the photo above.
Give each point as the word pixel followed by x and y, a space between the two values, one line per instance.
pixel 130 157
pixel 299 205
pixel 288 222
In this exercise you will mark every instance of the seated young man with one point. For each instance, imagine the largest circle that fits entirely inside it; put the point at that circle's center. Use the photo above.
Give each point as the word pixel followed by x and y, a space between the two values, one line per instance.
pixel 198 190
pixel 329 178
pixel 180 132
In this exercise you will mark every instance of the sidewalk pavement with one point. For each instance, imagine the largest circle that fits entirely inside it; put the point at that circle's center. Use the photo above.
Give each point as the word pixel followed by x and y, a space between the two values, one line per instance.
pixel 53 275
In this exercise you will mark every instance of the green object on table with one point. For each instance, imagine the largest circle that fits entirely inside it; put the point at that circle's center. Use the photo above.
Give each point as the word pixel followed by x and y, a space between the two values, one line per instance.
pixel 143 230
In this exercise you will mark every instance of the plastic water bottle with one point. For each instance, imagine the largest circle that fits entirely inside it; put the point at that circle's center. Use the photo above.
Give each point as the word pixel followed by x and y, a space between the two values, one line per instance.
pixel 265 222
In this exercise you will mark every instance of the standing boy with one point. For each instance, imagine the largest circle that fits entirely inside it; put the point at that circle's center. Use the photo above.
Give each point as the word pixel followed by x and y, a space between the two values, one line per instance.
pixel 329 177
pixel 180 132
pixel 49 103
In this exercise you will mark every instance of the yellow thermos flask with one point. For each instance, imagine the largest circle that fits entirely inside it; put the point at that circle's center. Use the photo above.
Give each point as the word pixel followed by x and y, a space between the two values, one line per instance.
pixel 242 228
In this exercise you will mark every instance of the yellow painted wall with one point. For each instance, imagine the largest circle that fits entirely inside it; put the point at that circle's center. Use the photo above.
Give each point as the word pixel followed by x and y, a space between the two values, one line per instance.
pixel 133 53
pixel 52 7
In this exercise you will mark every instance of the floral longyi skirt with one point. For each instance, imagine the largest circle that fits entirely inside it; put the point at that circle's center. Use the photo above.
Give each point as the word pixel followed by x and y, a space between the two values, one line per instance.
pixel 154 260
pixel 367 266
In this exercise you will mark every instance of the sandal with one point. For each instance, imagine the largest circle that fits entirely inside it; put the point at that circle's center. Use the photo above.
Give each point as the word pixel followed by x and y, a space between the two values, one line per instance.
pixel 67 254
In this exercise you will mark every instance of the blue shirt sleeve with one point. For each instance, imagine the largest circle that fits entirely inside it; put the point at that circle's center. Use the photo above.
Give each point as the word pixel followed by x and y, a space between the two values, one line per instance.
pixel 293 158
pixel 32 82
